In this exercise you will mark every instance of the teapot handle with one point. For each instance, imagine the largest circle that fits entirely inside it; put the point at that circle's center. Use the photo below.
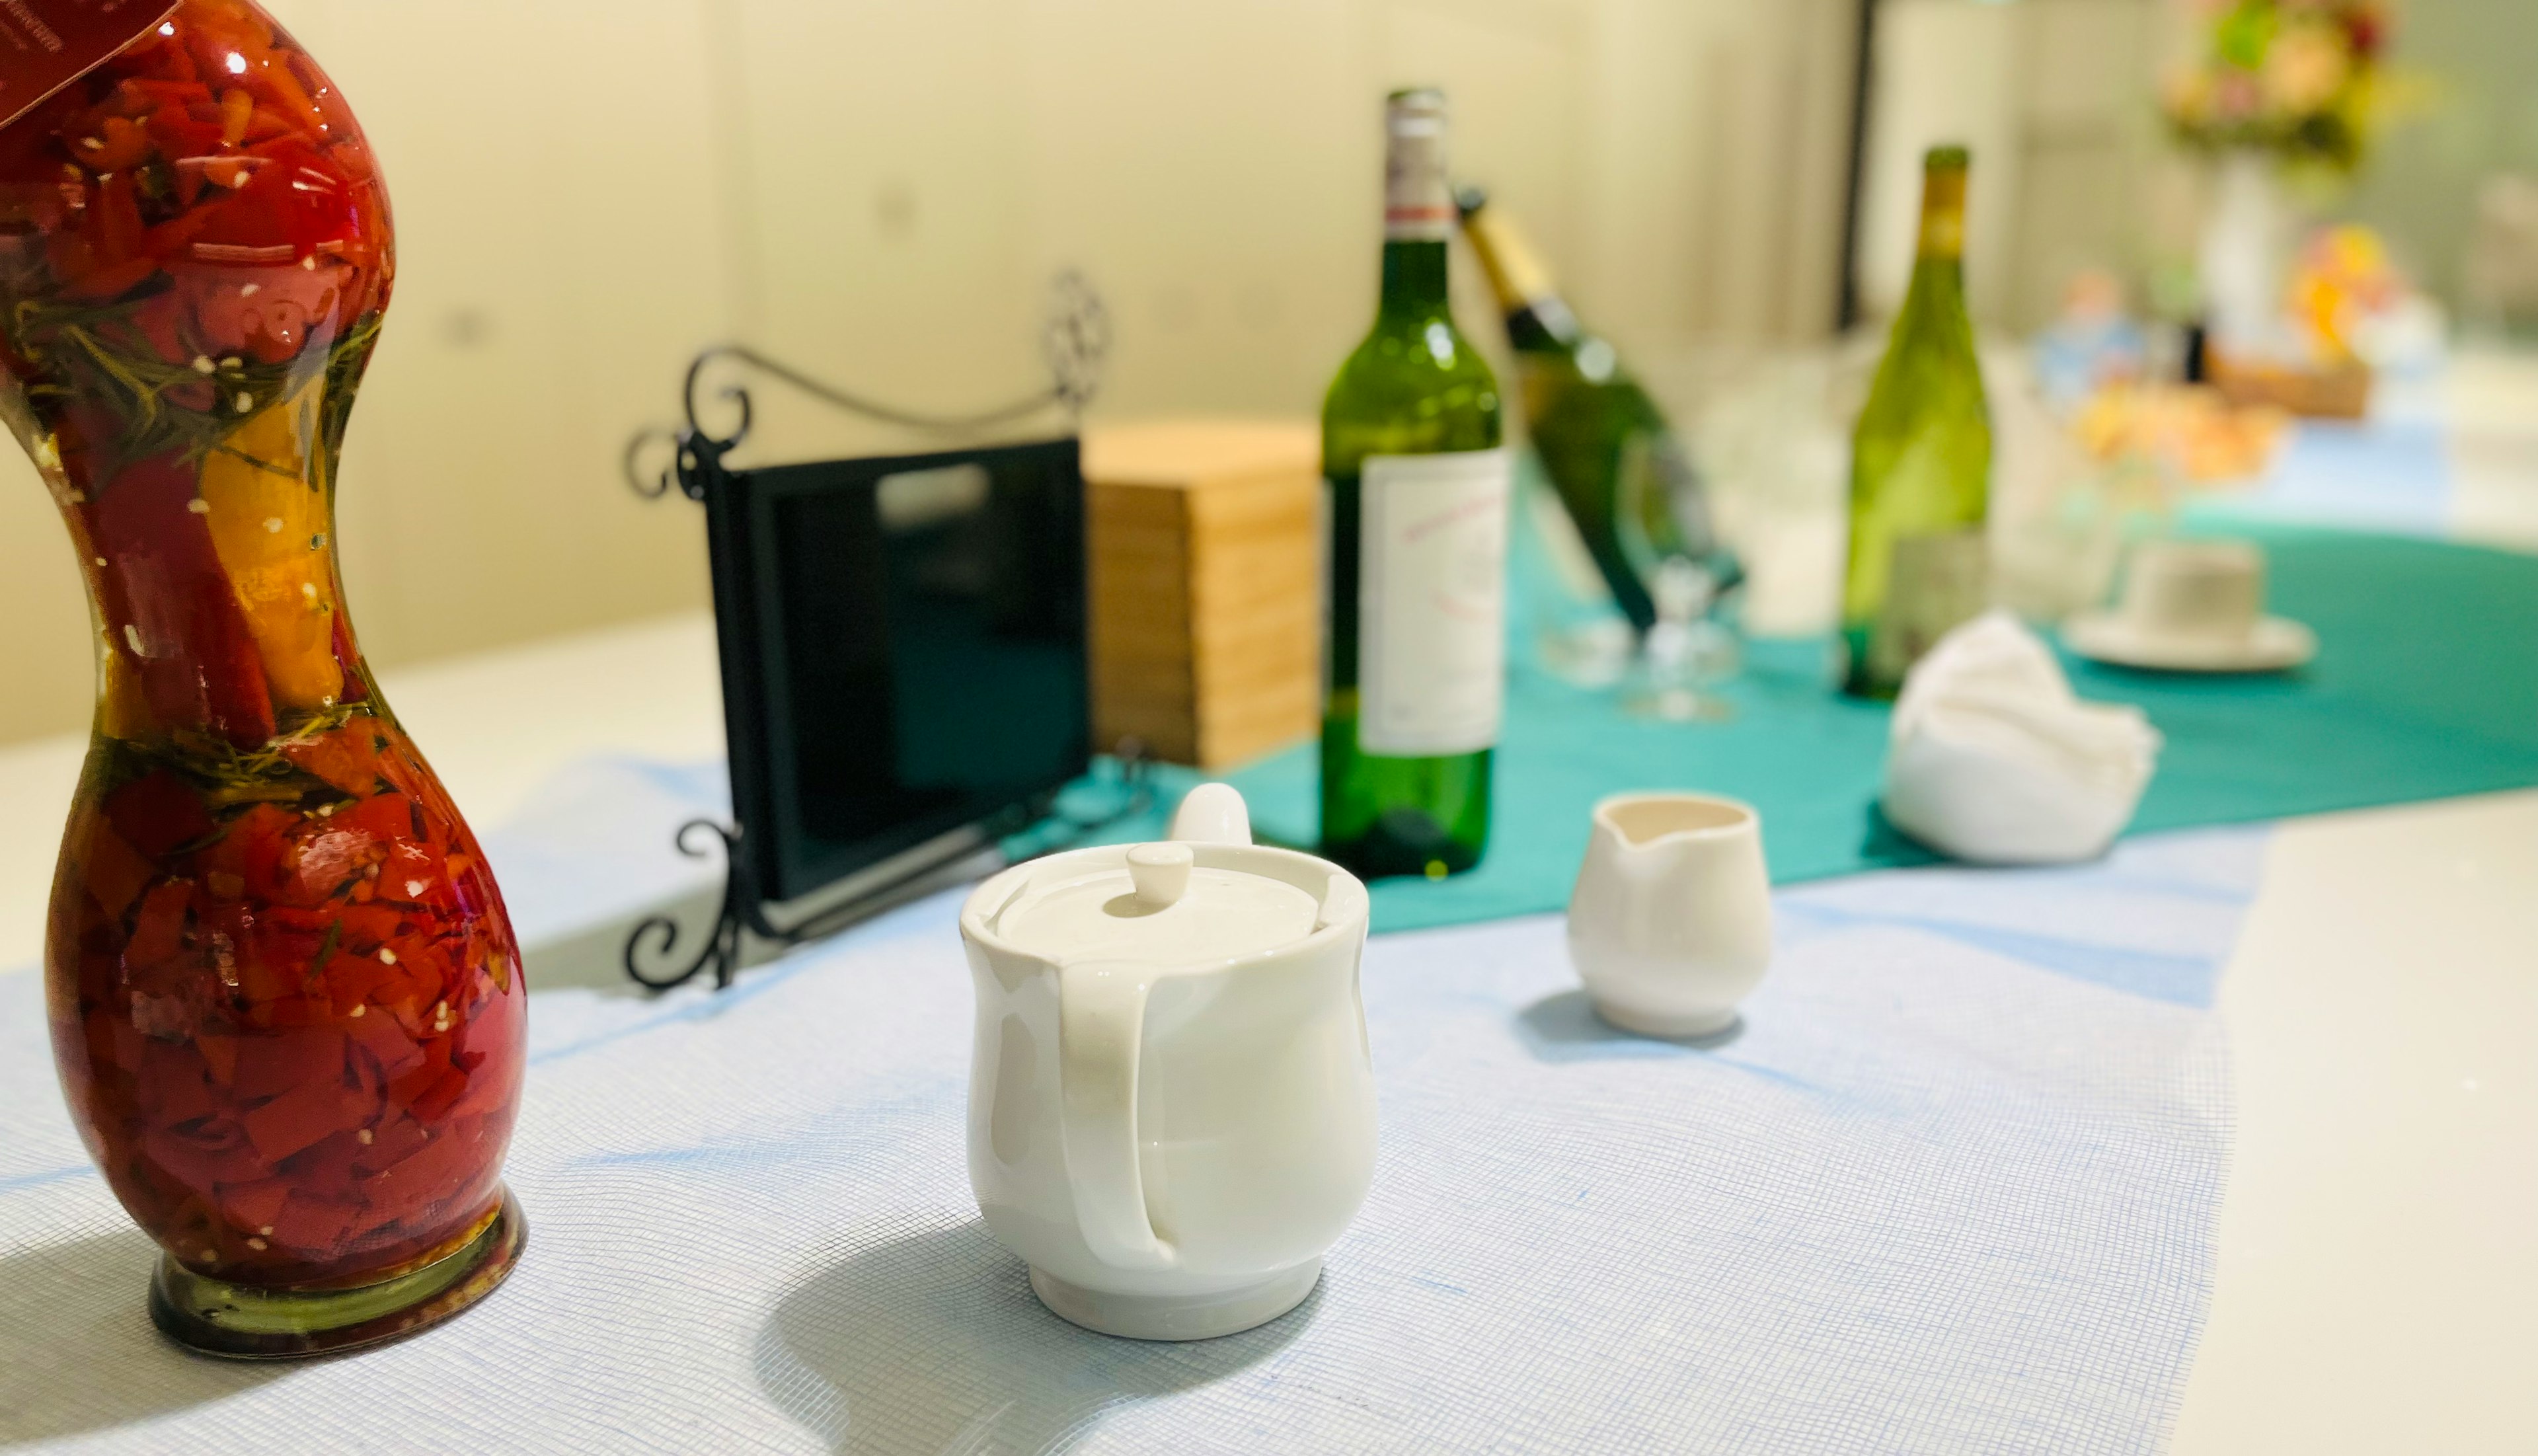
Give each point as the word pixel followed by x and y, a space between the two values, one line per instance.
pixel 1100 1023
pixel 1212 814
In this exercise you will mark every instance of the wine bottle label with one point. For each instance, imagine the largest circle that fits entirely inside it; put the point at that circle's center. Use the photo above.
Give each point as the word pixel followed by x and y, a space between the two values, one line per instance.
pixel 1418 201
pixel 1936 582
pixel 46 44
pixel 1432 602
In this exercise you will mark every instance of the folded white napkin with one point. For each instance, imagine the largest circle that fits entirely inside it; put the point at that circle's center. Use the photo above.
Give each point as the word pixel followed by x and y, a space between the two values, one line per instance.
pixel 1994 760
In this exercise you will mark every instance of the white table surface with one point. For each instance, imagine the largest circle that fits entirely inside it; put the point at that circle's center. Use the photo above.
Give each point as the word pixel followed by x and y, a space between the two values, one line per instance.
pixel 2378 1285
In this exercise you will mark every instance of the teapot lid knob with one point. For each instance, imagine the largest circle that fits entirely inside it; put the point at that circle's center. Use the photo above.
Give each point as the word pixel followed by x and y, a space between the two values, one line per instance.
pixel 1213 813
pixel 1161 871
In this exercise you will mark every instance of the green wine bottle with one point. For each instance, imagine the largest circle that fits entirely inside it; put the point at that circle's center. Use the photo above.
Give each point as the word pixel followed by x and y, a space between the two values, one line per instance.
pixel 1920 469
pixel 1625 479
pixel 1416 573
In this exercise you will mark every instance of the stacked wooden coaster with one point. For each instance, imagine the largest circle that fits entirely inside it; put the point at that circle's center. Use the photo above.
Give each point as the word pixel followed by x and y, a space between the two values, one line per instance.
pixel 1205 539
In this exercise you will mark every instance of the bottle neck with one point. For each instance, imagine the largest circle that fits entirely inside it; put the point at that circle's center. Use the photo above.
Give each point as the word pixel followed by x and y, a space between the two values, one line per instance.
pixel 1939 268
pixel 1414 279
pixel 1938 288
pixel 1943 215
pixel 1536 315
pixel 1417 208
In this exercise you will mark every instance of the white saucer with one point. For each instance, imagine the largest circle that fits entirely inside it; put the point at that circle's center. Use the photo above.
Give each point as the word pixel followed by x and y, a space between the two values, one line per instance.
pixel 2274 645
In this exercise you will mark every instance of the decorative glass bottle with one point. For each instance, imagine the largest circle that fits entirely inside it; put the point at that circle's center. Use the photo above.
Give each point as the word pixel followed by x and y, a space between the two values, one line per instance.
pixel 286 1000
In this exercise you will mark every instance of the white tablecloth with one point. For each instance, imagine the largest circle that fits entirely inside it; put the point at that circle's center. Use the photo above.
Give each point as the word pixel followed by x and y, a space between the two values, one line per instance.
pixel 1952 1189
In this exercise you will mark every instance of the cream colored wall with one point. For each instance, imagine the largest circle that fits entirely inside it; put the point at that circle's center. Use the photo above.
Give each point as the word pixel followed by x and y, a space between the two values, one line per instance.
pixel 587 192
pixel 1213 169
pixel 2421 186
pixel 2055 97
pixel 2072 168
pixel 546 289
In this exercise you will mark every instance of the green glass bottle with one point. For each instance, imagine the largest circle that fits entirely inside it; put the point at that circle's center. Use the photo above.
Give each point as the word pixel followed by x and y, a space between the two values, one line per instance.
pixel 1617 465
pixel 1920 471
pixel 1414 661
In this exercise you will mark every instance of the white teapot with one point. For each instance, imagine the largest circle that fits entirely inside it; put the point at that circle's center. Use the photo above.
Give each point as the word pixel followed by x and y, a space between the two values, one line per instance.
pixel 1172 1111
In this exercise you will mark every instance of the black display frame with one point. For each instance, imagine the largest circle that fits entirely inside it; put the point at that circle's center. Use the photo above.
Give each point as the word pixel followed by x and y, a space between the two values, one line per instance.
pixel 760 716
pixel 776 903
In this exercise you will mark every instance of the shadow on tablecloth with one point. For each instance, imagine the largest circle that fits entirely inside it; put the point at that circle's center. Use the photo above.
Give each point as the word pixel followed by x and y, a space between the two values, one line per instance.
pixel 72 1311
pixel 1564 1028
pixel 926 1337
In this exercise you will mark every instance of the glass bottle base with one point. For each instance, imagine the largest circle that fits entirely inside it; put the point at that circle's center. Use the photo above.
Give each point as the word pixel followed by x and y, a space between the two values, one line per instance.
pixel 242 1322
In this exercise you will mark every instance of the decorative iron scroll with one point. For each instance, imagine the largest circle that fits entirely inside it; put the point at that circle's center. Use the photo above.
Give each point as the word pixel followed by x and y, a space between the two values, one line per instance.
pixel 744 909
pixel 1075 344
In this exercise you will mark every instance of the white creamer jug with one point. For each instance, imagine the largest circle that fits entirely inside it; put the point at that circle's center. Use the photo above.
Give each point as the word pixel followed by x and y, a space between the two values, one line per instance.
pixel 1172 1111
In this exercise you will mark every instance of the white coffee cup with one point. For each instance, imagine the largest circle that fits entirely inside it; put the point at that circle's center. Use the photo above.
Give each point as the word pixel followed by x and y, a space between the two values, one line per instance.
pixel 2204 591
pixel 2193 606
pixel 1670 925
pixel 1172 1111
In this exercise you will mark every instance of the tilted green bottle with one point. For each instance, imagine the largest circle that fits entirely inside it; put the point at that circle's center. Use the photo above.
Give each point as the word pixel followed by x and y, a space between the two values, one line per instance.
pixel 1626 480
pixel 1417 575
pixel 1920 470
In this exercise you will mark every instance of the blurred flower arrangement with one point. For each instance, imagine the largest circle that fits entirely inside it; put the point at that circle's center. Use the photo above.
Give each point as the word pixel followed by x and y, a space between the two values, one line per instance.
pixel 2193 436
pixel 2298 80
pixel 2344 283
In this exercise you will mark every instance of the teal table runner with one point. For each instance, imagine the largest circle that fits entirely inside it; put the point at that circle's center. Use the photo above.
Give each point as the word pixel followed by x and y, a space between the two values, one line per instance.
pixel 2426 686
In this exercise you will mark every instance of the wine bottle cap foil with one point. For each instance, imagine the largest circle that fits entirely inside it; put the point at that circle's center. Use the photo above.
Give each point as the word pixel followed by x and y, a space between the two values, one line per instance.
pixel 1418 203
pixel 1515 269
pixel 1943 202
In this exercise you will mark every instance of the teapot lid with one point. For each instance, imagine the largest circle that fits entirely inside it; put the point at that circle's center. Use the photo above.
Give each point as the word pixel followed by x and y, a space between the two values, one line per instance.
pixel 1159 907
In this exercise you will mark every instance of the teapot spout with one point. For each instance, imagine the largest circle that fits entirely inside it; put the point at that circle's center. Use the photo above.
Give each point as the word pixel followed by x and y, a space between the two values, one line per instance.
pixel 1213 813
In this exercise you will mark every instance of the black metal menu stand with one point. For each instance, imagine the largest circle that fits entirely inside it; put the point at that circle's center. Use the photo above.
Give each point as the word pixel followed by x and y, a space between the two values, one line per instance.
pixel 903 647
